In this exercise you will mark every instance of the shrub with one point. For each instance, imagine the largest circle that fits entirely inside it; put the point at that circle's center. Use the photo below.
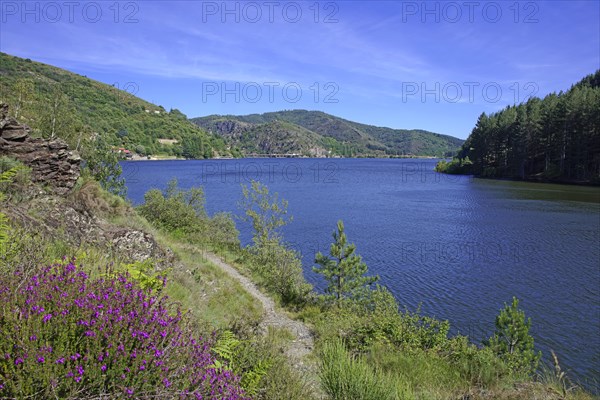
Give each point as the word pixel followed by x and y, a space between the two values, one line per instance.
pixel 223 233
pixel 176 211
pixel 480 367
pixel 377 319
pixel 65 335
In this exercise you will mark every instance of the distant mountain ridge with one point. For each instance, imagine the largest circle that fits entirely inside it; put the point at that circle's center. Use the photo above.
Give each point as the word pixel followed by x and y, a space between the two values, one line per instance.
pixel 315 133
pixel 57 102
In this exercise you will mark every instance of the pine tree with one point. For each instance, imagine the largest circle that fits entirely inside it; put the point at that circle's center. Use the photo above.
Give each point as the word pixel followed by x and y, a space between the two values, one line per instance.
pixel 512 341
pixel 343 270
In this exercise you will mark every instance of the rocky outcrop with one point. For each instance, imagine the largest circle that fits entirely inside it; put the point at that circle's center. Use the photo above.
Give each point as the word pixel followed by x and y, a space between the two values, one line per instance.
pixel 139 246
pixel 51 162
pixel 228 128
pixel 61 218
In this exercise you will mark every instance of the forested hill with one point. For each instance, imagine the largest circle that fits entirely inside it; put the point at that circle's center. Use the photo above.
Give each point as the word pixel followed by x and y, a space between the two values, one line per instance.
pixel 556 138
pixel 55 101
pixel 316 133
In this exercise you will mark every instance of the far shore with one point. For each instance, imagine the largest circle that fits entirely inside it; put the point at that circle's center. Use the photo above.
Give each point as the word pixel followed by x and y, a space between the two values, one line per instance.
pixel 167 158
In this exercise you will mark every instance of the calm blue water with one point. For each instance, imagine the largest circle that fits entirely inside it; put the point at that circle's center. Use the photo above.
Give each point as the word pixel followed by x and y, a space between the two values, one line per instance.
pixel 458 247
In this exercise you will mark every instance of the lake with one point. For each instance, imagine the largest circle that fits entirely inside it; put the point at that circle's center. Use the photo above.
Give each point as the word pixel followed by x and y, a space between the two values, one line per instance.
pixel 459 247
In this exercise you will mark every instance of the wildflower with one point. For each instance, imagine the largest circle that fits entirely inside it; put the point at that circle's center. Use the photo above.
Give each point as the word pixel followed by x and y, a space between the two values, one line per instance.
pixel 47 318
pixel 103 368
pixel 32 338
pixel 18 361
pixel 166 382
pixel 41 359
pixel 60 360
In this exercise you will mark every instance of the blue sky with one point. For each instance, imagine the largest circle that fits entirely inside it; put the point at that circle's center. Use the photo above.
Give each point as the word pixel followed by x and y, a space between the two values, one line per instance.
pixel 403 64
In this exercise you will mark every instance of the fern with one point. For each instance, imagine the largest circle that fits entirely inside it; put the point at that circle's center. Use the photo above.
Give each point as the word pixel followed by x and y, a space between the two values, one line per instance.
pixel 141 272
pixel 225 348
pixel 4 227
pixel 228 349
pixel 251 379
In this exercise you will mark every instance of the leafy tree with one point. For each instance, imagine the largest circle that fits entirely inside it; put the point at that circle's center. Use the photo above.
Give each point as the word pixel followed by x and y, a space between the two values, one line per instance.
pixel 102 163
pixel 343 270
pixel 57 115
pixel 194 148
pixel 266 213
pixel 25 92
pixel 511 340
pixel 141 150
pixel 278 265
pixel 223 231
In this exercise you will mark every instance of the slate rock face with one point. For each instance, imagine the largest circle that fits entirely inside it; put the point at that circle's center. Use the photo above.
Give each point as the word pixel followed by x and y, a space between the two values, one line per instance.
pixel 50 160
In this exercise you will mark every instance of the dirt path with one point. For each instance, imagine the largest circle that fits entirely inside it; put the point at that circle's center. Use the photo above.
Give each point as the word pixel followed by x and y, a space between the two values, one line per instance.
pixel 303 344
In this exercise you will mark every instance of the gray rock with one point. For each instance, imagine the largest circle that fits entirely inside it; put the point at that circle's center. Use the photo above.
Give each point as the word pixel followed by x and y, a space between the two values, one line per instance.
pixel 51 162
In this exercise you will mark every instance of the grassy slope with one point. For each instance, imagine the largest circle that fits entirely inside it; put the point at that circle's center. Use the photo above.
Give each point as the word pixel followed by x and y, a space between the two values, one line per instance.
pixel 334 133
pixel 97 107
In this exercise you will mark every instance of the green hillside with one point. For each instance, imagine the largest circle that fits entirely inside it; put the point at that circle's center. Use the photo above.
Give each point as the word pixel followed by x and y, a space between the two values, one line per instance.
pixel 56 102
pixel 328 134
pixel 53 101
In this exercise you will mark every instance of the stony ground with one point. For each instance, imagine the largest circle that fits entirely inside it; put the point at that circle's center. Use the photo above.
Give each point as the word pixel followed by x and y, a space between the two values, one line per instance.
pixel 300 349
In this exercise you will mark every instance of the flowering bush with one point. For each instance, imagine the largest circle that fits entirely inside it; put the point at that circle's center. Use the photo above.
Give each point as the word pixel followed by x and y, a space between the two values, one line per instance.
pixel 64 335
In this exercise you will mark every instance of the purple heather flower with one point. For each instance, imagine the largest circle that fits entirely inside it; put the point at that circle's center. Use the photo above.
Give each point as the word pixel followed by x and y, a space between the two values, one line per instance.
pixel 32 338
pixel 41 359
pixel 47 318
pixel 60 360
pixel 103 368
pixel 18 361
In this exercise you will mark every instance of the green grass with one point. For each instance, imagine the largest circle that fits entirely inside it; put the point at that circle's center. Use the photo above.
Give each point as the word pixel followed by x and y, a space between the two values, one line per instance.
pixel 418 374
pixel 344 377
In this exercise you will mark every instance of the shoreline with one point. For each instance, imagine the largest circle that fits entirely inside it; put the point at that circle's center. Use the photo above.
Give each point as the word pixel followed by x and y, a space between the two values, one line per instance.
pixel 274 157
